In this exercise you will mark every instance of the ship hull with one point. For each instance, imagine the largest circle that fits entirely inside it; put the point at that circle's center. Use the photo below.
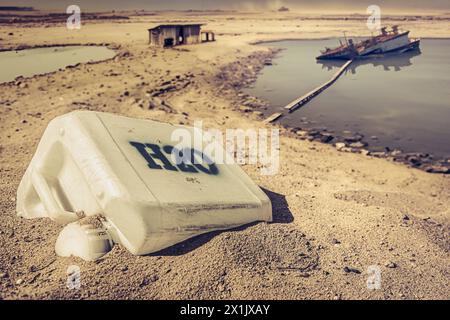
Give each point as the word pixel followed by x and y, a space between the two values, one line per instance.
pixel 392 44
pixel 398 44
pixel 413 45
pixel 337 56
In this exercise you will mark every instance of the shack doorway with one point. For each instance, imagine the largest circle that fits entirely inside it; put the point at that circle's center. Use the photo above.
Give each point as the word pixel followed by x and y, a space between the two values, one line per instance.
pixel 168 42
pixel 181 37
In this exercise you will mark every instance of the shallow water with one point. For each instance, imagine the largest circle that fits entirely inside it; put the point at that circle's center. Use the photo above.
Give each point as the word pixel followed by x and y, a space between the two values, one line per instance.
pixel 31 62
pixel 403 100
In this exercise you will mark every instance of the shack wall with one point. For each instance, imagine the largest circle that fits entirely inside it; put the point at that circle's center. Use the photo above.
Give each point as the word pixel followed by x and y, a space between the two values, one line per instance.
pixel 170 33
pixel 154 37
pixel 179 34
pixel 191 34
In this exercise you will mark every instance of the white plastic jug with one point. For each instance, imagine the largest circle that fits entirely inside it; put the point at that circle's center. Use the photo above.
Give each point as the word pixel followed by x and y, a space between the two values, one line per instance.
pixel 112 179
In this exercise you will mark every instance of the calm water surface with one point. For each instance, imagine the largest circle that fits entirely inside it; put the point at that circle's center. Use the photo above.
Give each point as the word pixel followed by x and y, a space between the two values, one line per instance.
pixel 31 62
pixel 403 100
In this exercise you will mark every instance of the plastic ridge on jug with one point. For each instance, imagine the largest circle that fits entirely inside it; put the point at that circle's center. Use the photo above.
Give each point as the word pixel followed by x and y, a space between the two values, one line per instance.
pixel 112 179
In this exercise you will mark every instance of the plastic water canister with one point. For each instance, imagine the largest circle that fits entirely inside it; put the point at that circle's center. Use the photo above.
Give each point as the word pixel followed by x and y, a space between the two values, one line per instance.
pixel 113 179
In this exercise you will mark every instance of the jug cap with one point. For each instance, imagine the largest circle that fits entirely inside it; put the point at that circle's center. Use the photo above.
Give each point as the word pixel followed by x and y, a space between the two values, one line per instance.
pixel 86 241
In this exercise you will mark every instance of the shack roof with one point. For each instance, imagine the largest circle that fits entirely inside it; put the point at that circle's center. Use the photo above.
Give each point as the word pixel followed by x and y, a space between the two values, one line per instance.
pixel 168 25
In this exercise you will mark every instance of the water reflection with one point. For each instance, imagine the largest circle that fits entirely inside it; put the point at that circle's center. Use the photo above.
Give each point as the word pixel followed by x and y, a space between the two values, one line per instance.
pixel 394 62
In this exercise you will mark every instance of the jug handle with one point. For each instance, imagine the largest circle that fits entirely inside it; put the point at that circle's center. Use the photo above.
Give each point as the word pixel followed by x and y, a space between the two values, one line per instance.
pixel 54 210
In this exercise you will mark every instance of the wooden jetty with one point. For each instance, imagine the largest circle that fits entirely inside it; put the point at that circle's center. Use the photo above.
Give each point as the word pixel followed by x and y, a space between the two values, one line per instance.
pixel 297 103
pixel 273 117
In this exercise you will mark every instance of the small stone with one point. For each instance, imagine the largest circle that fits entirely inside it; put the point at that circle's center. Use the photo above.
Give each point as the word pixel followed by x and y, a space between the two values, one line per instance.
pixel 314 132
pixel 304 275
pixel 340 145
pixel 415 161
pixel 124 268
pixel 3 275
pixel 302 133
pixel 378 154
pixel 405 218
pixel 144 282
pixel 358 144
pixel 437 169
pixel 391 265
pixel 335 241
pixel 19 282
pixel 351 270
pixel 154 278
pixel 245 109
pixel 365 152
pixel 347 149
pixel 326 138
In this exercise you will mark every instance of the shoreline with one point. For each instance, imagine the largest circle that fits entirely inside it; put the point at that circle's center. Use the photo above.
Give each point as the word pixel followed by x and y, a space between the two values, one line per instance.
pixel 352 141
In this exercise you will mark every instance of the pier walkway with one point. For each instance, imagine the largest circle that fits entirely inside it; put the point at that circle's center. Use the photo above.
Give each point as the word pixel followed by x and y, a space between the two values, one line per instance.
pixel 297 103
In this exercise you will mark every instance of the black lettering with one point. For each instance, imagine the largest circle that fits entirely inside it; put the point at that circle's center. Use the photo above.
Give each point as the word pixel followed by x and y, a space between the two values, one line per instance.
pixel 142 150
pixel 212 166
pixel 179 155
pixel 160 156
pixel 150 157
pixel 183 165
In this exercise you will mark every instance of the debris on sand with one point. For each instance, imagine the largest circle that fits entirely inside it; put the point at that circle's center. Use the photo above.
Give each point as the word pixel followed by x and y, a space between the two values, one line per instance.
pixel 391 265
pixel 177 83
pixel 351 270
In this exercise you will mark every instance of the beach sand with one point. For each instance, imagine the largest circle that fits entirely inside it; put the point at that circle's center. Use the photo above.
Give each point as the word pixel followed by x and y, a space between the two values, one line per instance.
pixel 336 215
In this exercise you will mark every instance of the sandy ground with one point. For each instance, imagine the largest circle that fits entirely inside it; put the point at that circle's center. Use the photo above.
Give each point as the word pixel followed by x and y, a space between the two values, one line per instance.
pixel 336 214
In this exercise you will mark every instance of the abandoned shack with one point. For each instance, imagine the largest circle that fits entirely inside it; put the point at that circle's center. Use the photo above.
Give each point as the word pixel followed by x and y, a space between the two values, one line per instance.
pixel 167 35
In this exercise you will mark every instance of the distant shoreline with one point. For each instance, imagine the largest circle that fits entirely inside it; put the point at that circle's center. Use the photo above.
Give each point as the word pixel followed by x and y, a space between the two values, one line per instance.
pixel 16 8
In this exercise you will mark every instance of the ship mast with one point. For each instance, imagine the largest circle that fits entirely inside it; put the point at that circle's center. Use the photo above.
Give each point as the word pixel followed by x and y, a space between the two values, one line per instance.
pixel 345 37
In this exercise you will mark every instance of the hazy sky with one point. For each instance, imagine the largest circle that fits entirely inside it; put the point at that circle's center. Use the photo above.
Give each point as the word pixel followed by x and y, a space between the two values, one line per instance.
pixel 424 6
